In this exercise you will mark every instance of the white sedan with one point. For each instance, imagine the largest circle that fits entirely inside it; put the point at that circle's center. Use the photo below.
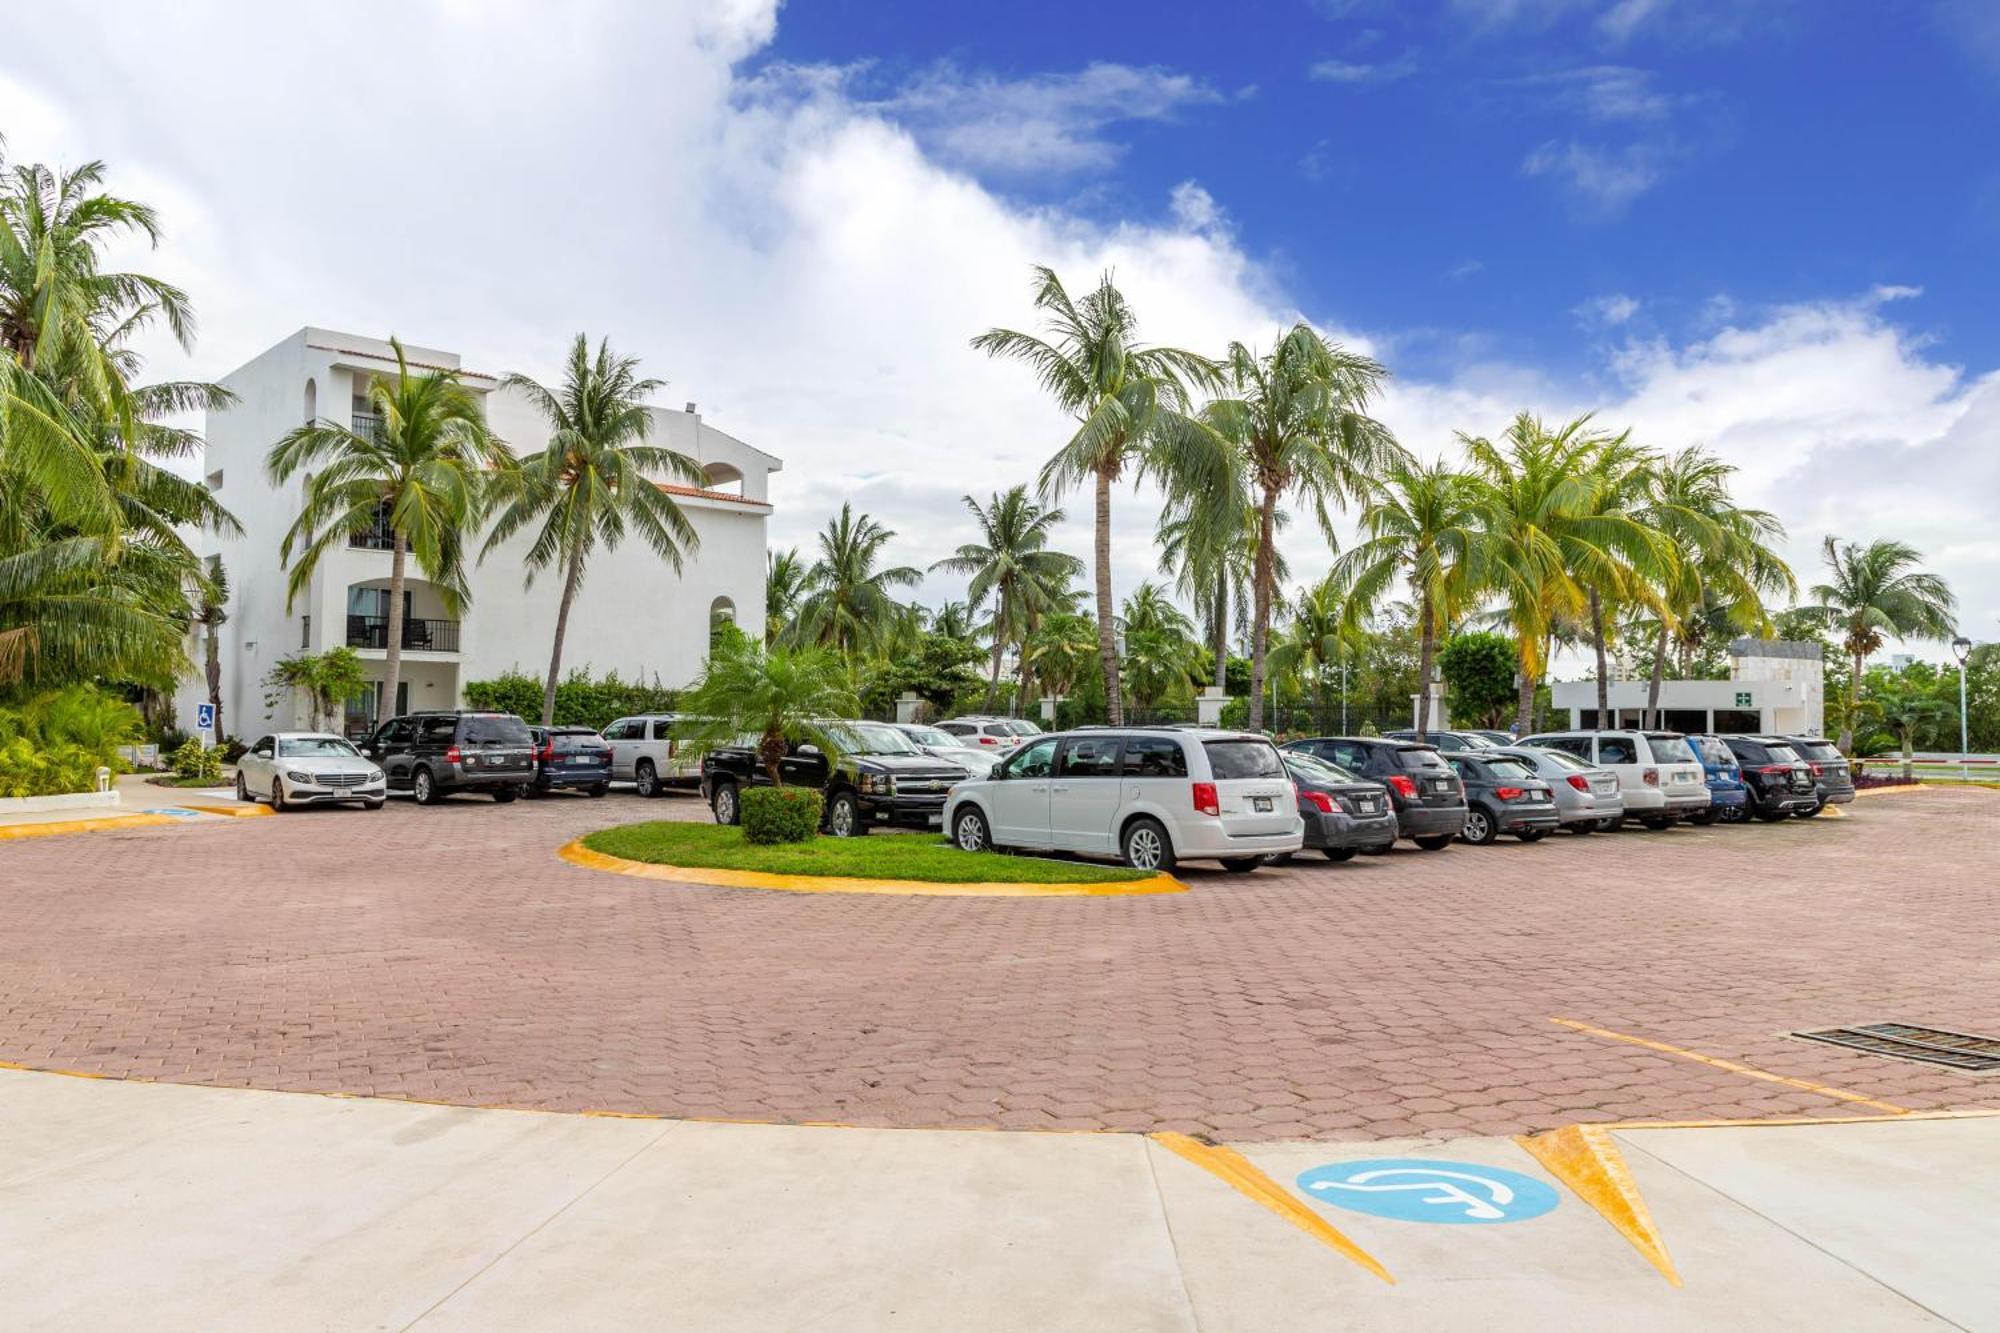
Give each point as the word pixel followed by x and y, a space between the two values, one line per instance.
pixel 294 768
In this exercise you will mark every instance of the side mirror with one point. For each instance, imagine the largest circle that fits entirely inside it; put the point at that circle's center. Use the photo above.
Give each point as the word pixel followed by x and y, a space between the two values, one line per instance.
pixel 809 748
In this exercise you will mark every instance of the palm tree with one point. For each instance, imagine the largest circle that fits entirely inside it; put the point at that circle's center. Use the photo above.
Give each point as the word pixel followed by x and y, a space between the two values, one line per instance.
pixel 1905 709
pixel 211 613
pixel 421 474
pixel 781 696
pixel 1060 650
pixel 596 479
pixel 954 621
pixel 1622 560
pixel 1297 419
pixel 1208 542
pixel 847 603
pixel 1149 609
pixel 1421 529
pixel 1011 563
pixel 1322 633
pixel 1160 649
pixel 784 589
pixel 1130 402
pixel 1876 592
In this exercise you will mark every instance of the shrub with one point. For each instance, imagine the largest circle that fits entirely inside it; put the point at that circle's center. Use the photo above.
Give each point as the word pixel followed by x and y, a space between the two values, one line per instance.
pixel 581 700
pixel 53 743
pixel 195 760
pixel 781 814
pixel 232 749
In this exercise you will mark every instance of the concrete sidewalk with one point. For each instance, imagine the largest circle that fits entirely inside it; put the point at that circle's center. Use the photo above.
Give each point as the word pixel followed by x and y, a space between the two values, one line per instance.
pixel 133 1205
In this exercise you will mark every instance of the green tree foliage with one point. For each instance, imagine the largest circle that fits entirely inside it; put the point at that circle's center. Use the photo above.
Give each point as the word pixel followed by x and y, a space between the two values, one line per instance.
pixel 582 699
pixel 940 669
pixel 1479 671
pixel 848 604
pixel 1011 566
pixel 780 696
pixel 54 741
pixel 326 680
pixel 1873 593
pixel 781 814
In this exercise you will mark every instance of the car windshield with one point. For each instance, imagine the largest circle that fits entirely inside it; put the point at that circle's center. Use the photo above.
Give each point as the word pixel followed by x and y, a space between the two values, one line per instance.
pixel 1563 760
pixel 871 738
pixel 1023 727
pixel 1509 768
pixel 1474 741
pixel 1312 769
pixel 1668 749
pixel 1782 754
pixel 1420 756
pixel 1715 752
pixel 931 736
pixel 317 747
pixel 1230 760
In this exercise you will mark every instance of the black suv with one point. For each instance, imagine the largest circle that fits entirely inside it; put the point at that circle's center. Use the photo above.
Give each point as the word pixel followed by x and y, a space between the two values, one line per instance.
pixel 1429 799
pixel 431 755
pixel 881 777
pixel 1780 782
pixel 1833 777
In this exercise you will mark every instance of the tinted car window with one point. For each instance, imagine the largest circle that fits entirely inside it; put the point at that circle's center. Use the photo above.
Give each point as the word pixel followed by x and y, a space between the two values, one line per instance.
pixel 1714 752
pixel 1508 768
pixel 494 729
pixel 1460 767
pixel 1817 750
pixel 1230 760
pixel 1308 769
pixel 1033 761
pixel 317 747
pixel 1616 750
pixel 1782 754
pixel 1670 749
pixel 1090 757
pixel 1576 745
pixel 1415 759
pixel 1154 757
pixel 621 730
pixel 438 730
pixel 662 729
pixel 1023 727
pixel 567 742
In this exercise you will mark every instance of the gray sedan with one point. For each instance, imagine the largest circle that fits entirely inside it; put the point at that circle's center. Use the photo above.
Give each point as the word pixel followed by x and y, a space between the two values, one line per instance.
pixel 294 768
pixel 1587 797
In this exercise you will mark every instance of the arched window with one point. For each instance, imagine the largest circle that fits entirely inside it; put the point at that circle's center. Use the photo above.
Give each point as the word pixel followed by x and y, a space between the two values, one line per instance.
pixel 724 477
pixel 312 402
pixel 722 623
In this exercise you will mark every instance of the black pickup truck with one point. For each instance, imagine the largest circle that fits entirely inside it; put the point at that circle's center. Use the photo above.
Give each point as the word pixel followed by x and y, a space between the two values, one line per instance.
pixel 880 777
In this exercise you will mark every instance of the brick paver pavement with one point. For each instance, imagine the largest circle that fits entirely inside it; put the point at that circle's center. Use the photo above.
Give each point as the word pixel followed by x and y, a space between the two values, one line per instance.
pixel 446 954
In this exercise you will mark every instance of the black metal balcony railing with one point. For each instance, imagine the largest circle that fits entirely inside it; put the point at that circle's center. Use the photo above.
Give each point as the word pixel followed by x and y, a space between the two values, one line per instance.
pixel 373 539
pixel 368 425
pixel 427 636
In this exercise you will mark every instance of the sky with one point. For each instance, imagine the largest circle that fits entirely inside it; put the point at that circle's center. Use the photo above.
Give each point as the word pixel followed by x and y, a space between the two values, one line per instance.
pixel 1764 226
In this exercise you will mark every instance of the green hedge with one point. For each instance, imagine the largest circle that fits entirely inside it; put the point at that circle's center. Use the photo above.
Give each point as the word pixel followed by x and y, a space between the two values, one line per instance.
pixel 781 814
pixel 581 700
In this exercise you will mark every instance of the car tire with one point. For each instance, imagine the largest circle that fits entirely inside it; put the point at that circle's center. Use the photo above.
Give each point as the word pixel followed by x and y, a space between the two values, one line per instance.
pixel 1532 835
pixel 599 789
pixel 1480 828
pixel 424 787
pixel 242 788
pixel 375 805
pixel 843 817
pixel 278 805
pixel 1657 823
pixel 1809 814
pixel 1773 816
pixel 646 778
pixel 1146 846
pixel 504 795
pixel 1707 817
pixel 1587 826
pixel 1433 842
pixel 1340 853
pixel 969 831
pixel 728 810
pixel 1241 865
pixel 1610 825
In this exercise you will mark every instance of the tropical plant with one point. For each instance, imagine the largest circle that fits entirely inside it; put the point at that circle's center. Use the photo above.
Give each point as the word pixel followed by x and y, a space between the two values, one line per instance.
pixel 1130 401
pixel 954 621
pixel 1208 542
pixel 784 589
pixel 1060 652
pixel 211 613
pixel 196 762
pixel 582 699
pixel 326 680
pixel 1875 592
pixel 595 481
pixel 1904 707
pixel 422 475
pixel 847 604
pixel 1012 565
pixel 780 696
pixel 1320 635
pixel 1421 528
pixel 1479 670
pixel 1296 418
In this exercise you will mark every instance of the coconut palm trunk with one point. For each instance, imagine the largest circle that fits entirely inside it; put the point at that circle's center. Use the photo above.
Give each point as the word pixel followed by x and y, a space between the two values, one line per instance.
pixel 1107 633
pixel 1426 662
pixel 1002 618
pixel 1603 665
pixel 1222 631
pixel 213 670
pixel 1659 675
pixel 1524 703
pixel 1260 593
pixel 571 578
pixel 1846 741
pixel 392 664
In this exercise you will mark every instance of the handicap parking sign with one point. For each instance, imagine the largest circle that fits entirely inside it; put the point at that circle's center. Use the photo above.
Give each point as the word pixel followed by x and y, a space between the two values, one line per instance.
pixel 1414 1189
pixel 204 717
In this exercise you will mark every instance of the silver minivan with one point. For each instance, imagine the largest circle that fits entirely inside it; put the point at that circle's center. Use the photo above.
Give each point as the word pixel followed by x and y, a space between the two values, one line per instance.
pixel 1659 775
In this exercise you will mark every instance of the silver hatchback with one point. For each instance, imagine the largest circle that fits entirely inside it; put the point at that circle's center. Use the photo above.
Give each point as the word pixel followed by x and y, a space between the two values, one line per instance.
pixel 1587 797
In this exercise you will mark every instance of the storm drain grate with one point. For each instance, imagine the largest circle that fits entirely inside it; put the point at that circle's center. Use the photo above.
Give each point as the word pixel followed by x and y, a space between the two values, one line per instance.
pixel 1932 1046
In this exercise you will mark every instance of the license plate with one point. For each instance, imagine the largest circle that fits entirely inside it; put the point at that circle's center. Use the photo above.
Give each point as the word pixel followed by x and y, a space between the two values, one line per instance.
pixel 579 759
pixel 935 821
pixel 1365 807
pixel 1261 804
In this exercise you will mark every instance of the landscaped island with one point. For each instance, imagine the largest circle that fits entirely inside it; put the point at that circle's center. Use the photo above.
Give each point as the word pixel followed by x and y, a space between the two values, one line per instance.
pixel 894 856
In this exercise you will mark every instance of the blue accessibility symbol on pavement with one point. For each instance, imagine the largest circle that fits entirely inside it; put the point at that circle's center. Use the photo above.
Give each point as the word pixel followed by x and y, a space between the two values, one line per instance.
pixel 1413 1189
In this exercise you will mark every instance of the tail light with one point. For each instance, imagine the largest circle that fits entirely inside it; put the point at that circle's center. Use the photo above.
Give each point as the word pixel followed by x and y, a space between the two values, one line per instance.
pixel 1206 802
pixel 1404 785
pixel 452 755
pixel 1580 783
pixel 548 750
pixel 1651 777
pixel 1318 800
pixel 988 740
pixel 1775 770
pixel 1818 771
pixel 1508 793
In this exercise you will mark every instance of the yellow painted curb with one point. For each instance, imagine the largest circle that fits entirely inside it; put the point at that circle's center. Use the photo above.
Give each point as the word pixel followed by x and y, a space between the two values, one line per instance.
pixel 9 832
pixel 1886 791
pixel 231 811
pixel 1235 1170
pixel 579 855
pixel 1748 1071
pixel 1584 1158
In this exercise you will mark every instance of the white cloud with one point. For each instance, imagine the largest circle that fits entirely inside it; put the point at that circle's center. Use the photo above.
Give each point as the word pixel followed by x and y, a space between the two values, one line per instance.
pixel 1608 311
pixel 1350 72
pixel 1606 93
pixel 1194 209
pixel 1603 181
pixel 1463 269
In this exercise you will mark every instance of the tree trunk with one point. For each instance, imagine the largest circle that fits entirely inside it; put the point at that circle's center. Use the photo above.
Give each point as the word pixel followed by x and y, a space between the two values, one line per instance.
pixel 1426 661
pixel 1021 683
pixel 1603 666
pixel 571 579
pixel 1846 741
pixel 392 666
pixel 1524 703
pixel 1260 606
pixel 1107 632
pixel 1659 675
pixel 1907 775
pixel 1222 631
pixel 214 673
pixel 999 647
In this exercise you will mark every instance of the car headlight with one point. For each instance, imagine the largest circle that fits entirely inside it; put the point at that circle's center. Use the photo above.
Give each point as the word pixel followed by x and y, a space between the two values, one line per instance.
pixel 294 775
pixel 877 784
pixel 375 775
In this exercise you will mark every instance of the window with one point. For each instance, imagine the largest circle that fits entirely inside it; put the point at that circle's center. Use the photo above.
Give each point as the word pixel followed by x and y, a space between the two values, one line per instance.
pixel 624 729
pixel 1034 761
pixel 1460 767
pixel 1670 749
pixel 1418 757
pixel 438 730
pixel 1782 754
pixel 663 728
pixel 265 747
pixel 1090 757
pixel 1573 745
pixel 399 732
pixel 1154 757
pixel 1616 750
pixel 1231 760
pixel 316 747
pixel 1508 768
pixel 1306 768
pixel 958 728
pixel 1564 760
pixel 1817 751
pixel 1345 753
pixel 495 729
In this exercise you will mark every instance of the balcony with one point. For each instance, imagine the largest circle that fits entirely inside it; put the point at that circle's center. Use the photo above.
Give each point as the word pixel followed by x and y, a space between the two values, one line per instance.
pixel 368 425
pixel 419 635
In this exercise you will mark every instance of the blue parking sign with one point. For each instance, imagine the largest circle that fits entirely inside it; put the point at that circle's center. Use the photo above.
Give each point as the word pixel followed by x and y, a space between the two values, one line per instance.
pixel 204 717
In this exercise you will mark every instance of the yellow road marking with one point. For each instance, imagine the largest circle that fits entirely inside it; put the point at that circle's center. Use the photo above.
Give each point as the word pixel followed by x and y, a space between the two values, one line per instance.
pixel 230 811
pixel 1584 1158
pixel 1235 1170
pixel 1822 1089
pixel 1889 791
pixel 52 827
pixel 1832 812
pixel 577 854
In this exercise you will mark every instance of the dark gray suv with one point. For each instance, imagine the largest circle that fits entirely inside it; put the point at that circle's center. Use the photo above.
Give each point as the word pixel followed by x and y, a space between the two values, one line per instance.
pixel 431 755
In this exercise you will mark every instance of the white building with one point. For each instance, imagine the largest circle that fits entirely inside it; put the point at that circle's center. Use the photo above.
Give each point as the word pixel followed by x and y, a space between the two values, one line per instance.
pixel 633 614
pixel 1774 686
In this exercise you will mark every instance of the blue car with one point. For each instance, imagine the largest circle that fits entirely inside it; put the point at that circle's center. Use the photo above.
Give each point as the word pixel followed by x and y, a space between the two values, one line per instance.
pixel 573 757
pixel 1728 796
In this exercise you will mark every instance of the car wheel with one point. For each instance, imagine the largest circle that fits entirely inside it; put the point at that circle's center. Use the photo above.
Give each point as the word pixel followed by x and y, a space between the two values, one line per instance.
pixel 1340 853
pixel 843 817
pixel 424 787
pixel 1772 816
pixel 1146 846
pixel 600 788
pixel 242 787
pixel 1433 843
pixel 1809 814
pixel 1241 865
pixel 724 804
pixel 1532 835
pixel 969 832
pixel 1587 826
pixel 1478 828
pixel 278 795
pixel 1657 823
pixel 1610 825
pixel 504 795
pixel 646 779
pixel 1707 817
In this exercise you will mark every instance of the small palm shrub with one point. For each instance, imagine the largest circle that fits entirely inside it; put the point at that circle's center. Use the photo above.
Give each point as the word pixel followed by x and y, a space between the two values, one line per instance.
pixel 195 760
pixel 53 743
pixel 781 814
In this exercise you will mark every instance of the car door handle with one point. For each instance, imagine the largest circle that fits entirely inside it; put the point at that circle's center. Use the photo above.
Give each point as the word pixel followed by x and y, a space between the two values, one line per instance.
pixel 1059 788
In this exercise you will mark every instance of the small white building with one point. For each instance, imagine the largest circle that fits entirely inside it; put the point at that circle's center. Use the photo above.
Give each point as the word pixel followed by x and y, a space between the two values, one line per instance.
pixel 1774 686
pixel 634 614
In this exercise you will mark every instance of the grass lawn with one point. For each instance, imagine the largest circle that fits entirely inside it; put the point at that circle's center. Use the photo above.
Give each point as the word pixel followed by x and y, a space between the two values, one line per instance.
pixel 889 856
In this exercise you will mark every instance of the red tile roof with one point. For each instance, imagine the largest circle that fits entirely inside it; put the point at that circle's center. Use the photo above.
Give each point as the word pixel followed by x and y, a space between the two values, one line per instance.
pixel 697 493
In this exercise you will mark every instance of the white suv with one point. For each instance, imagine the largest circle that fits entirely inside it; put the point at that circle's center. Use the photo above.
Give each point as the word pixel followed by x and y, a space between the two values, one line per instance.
pixel 1151 796
pixel 997 734
pixel 1658 773
pixel 645 754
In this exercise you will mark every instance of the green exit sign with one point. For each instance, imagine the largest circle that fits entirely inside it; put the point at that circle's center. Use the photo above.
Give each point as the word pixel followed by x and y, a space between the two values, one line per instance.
pixel 1743 698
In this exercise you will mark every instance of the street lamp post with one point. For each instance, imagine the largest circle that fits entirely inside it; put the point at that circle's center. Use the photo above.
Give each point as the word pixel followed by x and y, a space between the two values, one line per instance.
pixel 1961 648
